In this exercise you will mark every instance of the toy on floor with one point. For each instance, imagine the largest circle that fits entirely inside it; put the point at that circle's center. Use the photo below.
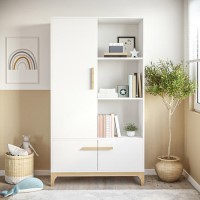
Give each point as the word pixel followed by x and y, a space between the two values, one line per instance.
pixel 27 145
pixel 27 185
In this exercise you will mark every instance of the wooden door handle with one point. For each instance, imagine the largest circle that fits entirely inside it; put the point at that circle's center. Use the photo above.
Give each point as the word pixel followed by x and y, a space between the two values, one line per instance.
pixel 96 148
pixel 88 149
pixel 105 148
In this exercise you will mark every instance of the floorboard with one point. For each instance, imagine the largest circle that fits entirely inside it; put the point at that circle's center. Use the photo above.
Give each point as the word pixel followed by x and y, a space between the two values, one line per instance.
pixel 106 183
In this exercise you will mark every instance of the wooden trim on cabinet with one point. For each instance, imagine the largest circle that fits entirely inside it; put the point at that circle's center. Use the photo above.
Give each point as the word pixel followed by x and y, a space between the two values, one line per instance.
pixel 54 175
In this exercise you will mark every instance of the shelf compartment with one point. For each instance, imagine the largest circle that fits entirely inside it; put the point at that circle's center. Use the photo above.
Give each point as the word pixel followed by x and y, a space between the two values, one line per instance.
pixel 127 111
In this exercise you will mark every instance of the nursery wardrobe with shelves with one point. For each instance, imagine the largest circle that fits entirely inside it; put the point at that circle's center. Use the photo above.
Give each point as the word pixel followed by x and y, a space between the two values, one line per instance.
pixel 78 70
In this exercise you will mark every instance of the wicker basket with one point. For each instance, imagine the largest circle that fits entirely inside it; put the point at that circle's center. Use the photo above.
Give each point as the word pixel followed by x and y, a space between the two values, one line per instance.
pixel 18 168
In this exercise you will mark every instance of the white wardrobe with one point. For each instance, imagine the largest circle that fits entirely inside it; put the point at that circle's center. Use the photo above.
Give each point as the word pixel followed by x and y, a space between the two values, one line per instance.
pixel 78 70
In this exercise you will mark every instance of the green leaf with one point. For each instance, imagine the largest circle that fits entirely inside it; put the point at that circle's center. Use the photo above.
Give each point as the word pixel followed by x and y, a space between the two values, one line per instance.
pixel 167 79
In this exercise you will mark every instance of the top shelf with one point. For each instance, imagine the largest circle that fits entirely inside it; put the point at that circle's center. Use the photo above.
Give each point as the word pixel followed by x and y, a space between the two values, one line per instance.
pixel 120 58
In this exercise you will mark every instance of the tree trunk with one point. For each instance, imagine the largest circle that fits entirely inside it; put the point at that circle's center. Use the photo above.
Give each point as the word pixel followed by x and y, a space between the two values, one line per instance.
pixel 170 133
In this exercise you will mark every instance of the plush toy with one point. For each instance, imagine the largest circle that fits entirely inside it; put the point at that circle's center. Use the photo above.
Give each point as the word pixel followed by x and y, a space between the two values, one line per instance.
pixel 27 185
pixel 27 145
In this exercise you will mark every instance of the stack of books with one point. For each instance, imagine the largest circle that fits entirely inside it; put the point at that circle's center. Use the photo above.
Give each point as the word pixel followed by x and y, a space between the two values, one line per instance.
pixel 135 85
pixel 107 124
pixel 107 93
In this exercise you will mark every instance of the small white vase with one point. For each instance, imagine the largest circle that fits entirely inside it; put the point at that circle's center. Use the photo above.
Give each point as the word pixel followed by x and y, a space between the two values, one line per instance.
pixel 130 133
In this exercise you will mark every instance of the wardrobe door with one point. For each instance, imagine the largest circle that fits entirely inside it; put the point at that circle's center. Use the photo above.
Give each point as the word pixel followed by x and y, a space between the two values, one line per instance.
pixel 73 78
pixel 121 155
pixel 74 155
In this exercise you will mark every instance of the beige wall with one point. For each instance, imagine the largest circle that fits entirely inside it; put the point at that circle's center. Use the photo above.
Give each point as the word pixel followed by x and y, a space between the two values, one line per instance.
pixel 192 141
pixel 28 111
pixel 156 130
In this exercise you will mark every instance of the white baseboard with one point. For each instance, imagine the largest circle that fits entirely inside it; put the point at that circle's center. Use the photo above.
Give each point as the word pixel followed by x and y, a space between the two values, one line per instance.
pixel 36 172
pixel 47 172
pixel 191 180
pixel 42 172
pixel 150 172
pixel 2 172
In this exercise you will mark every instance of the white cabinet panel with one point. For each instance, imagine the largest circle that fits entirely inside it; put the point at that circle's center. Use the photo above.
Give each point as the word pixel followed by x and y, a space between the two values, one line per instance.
pixel 74 53
pixel 127 155
pixel 67 156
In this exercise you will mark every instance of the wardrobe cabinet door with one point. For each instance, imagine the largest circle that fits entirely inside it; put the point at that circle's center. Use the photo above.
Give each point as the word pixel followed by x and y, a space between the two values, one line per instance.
pixel 73 78
pixel 74 156
pixel 121 155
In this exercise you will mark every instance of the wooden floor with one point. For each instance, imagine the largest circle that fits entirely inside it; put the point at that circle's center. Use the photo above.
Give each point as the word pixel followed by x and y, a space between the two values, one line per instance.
pixel 106 183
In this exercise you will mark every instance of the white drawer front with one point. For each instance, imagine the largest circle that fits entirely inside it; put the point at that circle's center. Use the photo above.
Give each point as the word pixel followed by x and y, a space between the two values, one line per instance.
pixel 68 156
pixel 123 155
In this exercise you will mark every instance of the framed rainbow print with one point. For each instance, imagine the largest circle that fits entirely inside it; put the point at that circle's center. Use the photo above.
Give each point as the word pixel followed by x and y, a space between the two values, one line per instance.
pixel 22 60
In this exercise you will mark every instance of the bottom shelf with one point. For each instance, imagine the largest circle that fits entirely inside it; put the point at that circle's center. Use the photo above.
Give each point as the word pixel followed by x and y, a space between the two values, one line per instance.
pixel 115 115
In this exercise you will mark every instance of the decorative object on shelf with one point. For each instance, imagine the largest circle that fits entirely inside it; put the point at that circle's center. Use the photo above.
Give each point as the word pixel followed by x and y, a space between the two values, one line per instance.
pixel 130 129
pixel 116 54
pixel 27 145
pixel 134 53
pixel 128 41
pixel 22 60
pixel 27 185
pixel 172 84
pixel 16 151
pixel 122 90
pixel 107 93
pixel 116 47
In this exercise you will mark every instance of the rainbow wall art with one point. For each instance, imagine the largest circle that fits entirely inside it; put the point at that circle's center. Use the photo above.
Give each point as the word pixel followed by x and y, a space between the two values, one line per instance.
pixel 22 60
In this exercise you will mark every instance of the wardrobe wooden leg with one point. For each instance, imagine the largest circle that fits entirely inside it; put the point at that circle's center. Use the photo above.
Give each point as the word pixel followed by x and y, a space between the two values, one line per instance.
pixel 53 178
pixel 141 177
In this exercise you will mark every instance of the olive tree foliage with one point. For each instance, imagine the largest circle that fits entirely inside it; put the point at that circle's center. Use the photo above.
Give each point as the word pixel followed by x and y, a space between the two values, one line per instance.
pixel 171 82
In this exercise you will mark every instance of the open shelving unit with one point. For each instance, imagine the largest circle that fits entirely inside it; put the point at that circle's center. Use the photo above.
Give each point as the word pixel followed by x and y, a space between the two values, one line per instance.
pixel 113 71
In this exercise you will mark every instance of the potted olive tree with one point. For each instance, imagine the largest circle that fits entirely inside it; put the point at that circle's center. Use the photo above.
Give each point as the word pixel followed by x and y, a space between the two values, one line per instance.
pixel 172 84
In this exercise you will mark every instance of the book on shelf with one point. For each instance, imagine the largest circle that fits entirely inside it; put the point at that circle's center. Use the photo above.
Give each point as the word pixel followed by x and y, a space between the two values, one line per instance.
pixel 112 125
pixel 135 85
pixel 107 123
pixel 130 90
pixel 117 126
pixel 139 85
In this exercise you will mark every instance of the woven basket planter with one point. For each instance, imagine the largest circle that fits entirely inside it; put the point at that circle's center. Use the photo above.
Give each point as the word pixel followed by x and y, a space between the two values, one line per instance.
pixel 18 168
pixel 169 170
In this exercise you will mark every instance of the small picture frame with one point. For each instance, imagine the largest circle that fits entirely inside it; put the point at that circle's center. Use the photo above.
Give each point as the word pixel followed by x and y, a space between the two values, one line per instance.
pixel 122 91
pixel 128 41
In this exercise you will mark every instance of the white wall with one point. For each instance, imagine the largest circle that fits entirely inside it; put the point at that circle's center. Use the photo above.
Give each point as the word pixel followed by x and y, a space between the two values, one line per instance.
pixel 163 35
pixel 163 38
